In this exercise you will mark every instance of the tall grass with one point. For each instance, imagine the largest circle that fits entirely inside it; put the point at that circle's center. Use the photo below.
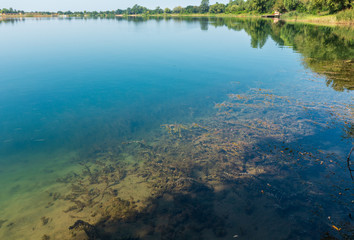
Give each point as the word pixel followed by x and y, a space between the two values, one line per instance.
pixel 346 15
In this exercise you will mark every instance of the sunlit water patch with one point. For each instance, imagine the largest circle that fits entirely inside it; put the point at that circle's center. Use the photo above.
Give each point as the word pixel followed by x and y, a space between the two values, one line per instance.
pixel 175 129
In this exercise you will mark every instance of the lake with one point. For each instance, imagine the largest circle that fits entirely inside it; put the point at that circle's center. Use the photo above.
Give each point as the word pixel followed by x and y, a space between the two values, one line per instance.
pixel 175 128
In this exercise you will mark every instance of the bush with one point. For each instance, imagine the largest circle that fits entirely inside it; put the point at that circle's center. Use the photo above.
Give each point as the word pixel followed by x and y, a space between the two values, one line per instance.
pixel 346 15
pixel 301 8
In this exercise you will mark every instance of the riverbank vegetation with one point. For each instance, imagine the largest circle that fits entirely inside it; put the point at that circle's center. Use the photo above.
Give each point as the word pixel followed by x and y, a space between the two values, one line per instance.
pixel 307 10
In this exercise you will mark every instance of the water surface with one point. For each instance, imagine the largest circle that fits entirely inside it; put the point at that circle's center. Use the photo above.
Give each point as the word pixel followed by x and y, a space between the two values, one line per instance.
pixel 177 128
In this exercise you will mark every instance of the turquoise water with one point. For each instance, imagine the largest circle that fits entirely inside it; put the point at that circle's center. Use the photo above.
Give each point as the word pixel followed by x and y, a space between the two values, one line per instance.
pixel 80 94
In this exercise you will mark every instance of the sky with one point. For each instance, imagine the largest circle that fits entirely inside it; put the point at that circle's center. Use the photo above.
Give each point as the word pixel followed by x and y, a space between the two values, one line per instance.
pixel 90 5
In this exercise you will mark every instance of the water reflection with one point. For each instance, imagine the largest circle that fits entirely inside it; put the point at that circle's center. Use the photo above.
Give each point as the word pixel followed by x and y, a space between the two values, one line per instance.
pixel 326 50
pixel 11 20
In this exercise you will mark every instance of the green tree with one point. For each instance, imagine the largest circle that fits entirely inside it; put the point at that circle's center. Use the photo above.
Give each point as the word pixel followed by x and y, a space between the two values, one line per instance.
pixel 261 6
pixel 217 8
pixel 235 6
pixel 178 9
pixel 119 11
pixel 157 10
pixel 231 9
pixel 291 4
pixel 167 10
pixel 5 10
pixel 136 9
pixel 316 5
pixel 279 6
pixel 337 5
pixel 204 6
pixel 191 9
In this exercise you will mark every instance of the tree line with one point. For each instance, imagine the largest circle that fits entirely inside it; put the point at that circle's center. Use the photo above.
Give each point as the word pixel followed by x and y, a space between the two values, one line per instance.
pixel 239 6
pixel 233 7
pixel 11 10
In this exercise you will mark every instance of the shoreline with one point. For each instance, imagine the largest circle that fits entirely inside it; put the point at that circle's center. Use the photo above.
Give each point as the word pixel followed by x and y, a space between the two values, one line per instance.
pixel 320 22
pixel 328 20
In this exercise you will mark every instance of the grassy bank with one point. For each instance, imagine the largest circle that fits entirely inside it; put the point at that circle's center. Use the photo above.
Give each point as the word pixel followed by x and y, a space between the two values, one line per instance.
pixel 341 18
pixel 345 17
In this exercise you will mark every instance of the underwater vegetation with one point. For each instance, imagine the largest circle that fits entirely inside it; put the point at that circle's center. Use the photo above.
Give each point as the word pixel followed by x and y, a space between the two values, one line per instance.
pixel 237 173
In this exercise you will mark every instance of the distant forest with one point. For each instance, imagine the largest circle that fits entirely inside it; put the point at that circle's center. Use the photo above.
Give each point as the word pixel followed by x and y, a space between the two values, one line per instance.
pixel 233 7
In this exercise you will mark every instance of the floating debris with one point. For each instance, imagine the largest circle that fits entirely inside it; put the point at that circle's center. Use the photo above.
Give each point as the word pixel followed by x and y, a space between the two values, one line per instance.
pixel 336 228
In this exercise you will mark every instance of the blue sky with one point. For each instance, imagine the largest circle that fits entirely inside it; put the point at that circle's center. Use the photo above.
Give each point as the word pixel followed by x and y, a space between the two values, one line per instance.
pixel 76 5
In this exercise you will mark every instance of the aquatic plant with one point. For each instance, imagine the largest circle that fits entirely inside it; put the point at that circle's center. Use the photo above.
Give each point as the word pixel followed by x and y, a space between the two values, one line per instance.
pixel 178 173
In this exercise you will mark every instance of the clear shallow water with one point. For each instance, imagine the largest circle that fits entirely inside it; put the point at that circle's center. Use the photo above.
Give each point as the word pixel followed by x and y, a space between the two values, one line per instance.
pixel 129 125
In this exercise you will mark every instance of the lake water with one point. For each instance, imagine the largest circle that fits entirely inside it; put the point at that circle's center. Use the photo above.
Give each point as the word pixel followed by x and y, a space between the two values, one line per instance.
pixel 176 128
